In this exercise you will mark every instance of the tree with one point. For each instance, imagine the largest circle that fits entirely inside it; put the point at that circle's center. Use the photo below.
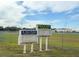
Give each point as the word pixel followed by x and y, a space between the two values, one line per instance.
pixel 1 28
pixel 12 28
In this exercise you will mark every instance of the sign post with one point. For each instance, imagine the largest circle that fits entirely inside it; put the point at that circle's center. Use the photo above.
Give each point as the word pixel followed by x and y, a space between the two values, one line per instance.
pixel 26 37
pixel 46 43
pixel 34 35
pixel 40 43
pixel 43 31
pixel 38 40
pixel 32 47
pixel 24 50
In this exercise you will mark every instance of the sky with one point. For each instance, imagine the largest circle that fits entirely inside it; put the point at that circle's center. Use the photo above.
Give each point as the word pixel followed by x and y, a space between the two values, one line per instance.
pixel 23 13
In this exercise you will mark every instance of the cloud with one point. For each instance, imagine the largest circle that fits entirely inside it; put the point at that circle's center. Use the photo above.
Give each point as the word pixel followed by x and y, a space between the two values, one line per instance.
pixel 10 13
pixel 75 17
pixel 54 6
pixel 32 23
pixel 65 6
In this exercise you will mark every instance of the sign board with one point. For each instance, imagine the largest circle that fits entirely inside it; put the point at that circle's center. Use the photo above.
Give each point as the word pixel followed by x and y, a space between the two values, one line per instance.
pixel 43 26
pixel 27 36
pixel 43 30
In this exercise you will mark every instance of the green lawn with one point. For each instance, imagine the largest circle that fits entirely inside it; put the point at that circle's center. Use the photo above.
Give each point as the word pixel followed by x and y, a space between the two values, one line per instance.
pixel 9 45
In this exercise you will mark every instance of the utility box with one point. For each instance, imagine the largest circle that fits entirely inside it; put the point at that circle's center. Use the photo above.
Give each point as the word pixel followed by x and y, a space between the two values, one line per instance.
pixel 27 36
pixel 43 30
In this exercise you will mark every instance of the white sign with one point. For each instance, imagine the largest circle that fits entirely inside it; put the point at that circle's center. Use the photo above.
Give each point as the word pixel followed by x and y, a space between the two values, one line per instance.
pixel 27 36
pixel 43 30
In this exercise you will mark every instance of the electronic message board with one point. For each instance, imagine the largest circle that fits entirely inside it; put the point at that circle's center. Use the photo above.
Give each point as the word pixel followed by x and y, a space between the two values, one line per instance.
pixel 43 30
pixel 27 36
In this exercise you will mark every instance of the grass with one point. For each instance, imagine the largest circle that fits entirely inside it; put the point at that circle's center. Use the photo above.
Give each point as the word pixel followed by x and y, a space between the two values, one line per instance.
pixel 9 46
